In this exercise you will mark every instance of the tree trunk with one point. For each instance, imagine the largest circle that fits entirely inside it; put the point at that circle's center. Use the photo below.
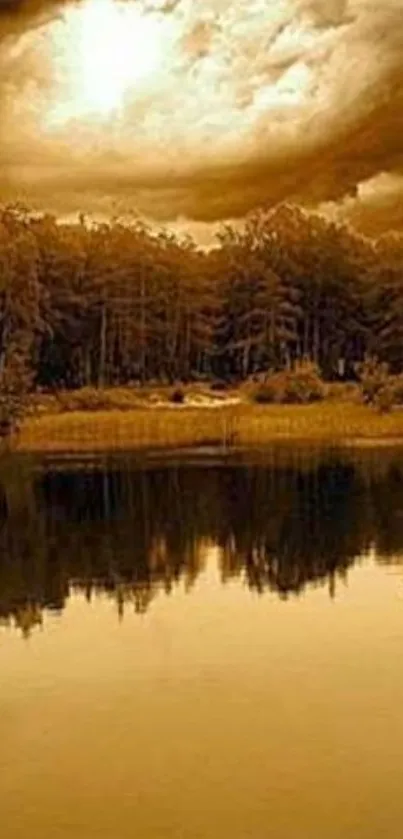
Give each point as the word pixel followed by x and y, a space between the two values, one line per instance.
pixel 102 348
pixel 306 348
pixel 316 339
pixel 142 330
pixel 87 366
pixel 246 361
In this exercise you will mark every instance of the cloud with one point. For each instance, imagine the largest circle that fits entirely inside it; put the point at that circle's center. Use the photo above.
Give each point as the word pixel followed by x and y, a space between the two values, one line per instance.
pixel 252 102
pixel 17 15
pixel 376 208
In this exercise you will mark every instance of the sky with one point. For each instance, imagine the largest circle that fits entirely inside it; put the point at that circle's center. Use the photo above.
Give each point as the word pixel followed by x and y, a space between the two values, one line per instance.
pixel 193 113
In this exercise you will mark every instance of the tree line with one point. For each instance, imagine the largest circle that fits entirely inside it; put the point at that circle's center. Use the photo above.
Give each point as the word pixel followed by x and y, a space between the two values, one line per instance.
pixel 90 304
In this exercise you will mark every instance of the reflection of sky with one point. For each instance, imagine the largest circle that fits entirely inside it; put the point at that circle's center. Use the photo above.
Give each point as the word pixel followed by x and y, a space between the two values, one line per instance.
pixel 219 696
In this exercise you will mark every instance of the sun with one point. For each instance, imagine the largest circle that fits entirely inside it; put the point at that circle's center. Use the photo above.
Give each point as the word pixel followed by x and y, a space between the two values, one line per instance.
pixel 105 49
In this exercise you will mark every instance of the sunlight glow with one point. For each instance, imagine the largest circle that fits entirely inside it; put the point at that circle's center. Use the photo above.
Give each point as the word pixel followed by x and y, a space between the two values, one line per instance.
pixel 105 49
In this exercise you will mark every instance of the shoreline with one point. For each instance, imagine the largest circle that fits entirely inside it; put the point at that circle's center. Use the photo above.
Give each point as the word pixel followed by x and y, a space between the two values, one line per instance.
pixel 226 429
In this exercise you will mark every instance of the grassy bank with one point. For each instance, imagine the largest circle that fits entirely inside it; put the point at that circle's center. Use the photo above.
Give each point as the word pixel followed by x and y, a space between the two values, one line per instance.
pixel 228 426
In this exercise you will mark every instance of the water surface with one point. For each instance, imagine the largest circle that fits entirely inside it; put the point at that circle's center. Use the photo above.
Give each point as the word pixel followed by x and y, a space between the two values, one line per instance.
pixel 206 649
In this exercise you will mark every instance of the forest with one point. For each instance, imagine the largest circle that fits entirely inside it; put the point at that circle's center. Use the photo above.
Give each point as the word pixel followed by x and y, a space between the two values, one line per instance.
pixel 103 304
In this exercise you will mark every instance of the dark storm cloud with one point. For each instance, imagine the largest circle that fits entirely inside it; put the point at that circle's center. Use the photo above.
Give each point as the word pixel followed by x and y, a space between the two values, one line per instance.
pixel 16 15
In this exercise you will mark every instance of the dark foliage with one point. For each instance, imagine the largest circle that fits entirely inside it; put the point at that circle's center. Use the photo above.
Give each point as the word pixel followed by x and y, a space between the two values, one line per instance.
pixel 90 305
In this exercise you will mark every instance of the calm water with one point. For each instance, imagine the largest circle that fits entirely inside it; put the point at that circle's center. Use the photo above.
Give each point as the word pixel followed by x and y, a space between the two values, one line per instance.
pixel 202 650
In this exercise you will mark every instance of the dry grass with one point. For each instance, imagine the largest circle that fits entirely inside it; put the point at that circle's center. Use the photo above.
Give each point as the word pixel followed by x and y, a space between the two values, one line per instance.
pixel 228 426
pixel 93 399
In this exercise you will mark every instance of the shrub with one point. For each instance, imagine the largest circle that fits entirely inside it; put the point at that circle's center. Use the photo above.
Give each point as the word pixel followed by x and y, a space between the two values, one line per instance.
pixel 177 396
pixel 85 399
pixel 219 384
pixel 397 385
pixel 267 393
pixel 304 384
pixel 373 378
pixel 342 391
pixel 298 386
pixel 384 399
pixel 98 399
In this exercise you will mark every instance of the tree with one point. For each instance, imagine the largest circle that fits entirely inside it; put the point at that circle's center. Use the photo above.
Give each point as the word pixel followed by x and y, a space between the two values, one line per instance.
pixel 19 315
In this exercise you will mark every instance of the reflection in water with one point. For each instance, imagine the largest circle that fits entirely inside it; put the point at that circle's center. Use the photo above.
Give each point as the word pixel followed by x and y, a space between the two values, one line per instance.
pixel 130 532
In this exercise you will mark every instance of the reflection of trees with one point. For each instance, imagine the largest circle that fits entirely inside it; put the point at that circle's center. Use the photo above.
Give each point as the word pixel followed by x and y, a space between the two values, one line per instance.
pixel 290 527
pixel 130 533
pixel 137 528
pixel 126 534
pixel 388 513
pixel 29 581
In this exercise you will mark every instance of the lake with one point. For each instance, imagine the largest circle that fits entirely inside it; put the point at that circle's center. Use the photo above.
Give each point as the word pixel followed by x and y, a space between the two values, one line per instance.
pixel 197 648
